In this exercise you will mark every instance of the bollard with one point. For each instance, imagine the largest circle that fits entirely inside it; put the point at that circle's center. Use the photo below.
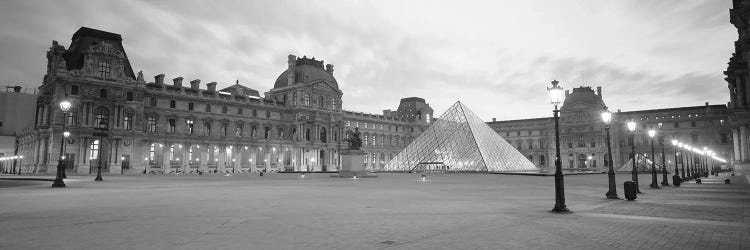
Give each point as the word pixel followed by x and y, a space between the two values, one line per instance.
pixel 676 180
pixel 261 173
pixel 726 181
pixel 698 181
pixel 630 190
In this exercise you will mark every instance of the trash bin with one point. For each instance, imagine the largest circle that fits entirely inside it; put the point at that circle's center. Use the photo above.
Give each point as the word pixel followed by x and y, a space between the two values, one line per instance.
pixel 630 190
pixel 676 180
pixel 261 173
pixel 726 181
pixel 698 181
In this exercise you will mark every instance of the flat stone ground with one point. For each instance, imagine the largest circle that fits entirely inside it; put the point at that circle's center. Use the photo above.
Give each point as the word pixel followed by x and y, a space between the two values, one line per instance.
pixel 394 211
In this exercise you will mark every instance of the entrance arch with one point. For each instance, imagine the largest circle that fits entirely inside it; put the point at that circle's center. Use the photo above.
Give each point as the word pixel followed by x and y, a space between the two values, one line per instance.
pixel 581 161
pixel 323 163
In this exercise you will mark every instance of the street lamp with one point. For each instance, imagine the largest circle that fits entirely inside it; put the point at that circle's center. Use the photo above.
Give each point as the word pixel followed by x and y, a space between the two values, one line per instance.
pixel 631 127
pixel 58 183
pixel 664 181
pixel 556 97
pixel 66 134
pixel 676 176
pixel 612 193
pixel 102 127
pixel 654 182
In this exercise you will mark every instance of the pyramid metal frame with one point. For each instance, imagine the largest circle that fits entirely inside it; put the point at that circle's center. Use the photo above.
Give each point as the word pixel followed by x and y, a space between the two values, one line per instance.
pixel 460 142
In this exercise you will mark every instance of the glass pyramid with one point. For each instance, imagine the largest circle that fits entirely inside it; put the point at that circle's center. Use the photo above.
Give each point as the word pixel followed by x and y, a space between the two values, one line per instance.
pixel 459 142
pixel 643 163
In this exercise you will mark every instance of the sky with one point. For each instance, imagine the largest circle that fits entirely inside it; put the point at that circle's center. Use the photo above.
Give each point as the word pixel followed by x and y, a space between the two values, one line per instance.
pixel 496 56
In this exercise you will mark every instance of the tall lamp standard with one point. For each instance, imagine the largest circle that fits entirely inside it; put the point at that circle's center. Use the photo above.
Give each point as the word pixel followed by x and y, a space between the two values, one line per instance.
pixel 66 134
pixel 631 127
pixel 676 176
pixel 664 181
pixel 556 97
pixel 102 127
pixel 654 181
pixel 612 193
pixel 58 183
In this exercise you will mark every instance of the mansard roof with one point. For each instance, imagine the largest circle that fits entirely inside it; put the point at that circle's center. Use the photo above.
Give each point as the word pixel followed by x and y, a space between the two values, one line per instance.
pixel 85 38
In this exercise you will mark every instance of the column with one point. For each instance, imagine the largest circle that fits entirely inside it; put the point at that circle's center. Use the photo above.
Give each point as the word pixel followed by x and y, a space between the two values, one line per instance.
pixel 736 141
pixel 165 165
pixel 743 143
pixel 185 159
pixel 203 152
pixel 221 163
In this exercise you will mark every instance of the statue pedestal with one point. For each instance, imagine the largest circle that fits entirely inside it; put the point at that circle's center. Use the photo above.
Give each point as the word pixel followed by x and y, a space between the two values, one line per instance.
pixel 352 164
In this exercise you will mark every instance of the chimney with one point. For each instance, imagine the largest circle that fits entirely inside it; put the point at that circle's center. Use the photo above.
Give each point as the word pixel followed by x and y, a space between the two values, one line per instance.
pixel 292 60
pixel 618 110
pixel 211 86
pixel 706 104
pixel 329 68
pixel 159 79
pixel 178 81
pixel 195 84
pixel 599 91
pixel 494 119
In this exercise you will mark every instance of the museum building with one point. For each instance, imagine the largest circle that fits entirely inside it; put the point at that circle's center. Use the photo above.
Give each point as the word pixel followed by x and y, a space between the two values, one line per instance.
pixel 129 125
pixel 583 137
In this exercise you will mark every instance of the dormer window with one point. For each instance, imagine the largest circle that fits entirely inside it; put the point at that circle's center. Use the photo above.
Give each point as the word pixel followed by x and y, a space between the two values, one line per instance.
pixel 104 69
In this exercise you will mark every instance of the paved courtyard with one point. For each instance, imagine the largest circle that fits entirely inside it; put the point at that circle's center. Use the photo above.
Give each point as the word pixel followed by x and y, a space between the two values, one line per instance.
pixel 393 211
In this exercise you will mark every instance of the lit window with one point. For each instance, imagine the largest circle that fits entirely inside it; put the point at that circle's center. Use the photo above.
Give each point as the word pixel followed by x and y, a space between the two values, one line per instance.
pixel 128 121
pixel 151 124
pixel 190 126
pixel 94 150
pixel 104 69
pixel 238 130
pixel 172 125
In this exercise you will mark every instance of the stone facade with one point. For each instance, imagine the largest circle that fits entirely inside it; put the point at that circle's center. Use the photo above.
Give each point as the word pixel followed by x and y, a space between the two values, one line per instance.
pixel 583 138
pixel 738 81
pixel 298 125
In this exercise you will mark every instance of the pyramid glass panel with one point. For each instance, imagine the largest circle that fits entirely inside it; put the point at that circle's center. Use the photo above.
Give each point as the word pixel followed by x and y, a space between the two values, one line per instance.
pixel 460 142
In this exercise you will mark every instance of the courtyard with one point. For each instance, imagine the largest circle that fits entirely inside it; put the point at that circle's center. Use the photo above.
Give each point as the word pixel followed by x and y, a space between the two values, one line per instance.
pixel 394 211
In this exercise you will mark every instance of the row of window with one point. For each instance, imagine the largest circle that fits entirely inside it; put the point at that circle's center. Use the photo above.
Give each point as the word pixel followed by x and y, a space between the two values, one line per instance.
pixel 382 140
pixel 129 96
pixel 376 126
pixel 207 108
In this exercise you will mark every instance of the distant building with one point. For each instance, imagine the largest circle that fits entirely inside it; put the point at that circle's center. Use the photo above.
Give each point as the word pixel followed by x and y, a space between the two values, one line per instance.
pixel 298 125
pixel 738 81
pixel 583 138
pixel 16 117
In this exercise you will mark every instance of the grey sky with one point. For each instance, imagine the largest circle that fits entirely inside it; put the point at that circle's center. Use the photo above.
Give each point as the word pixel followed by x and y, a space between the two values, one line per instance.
pixel 495 56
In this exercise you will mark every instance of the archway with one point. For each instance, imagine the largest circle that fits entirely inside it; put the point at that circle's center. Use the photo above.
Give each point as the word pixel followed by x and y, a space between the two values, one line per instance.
pixel 582 161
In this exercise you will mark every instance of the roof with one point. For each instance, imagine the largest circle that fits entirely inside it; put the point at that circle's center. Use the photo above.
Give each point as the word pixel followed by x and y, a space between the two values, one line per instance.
pixel 305 71
pixel 241 90
pixel 583 95
pixel 86 37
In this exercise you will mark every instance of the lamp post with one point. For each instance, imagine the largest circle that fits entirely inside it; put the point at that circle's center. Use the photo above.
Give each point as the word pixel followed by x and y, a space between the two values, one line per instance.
pixel 66 134
pixel 102 127
pixel 676 176
pixel 58 183
pixel 612 193
pixel 631 127
pixel 664 181
pixel 654 181
pixel 556 97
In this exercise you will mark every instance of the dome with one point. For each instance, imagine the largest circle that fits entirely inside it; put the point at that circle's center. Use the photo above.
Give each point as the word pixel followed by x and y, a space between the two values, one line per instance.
pixel 583 95
pixel 306 70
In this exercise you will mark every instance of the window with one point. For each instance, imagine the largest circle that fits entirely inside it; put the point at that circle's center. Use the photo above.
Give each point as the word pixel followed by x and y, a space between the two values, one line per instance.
pixel 151 124
pixel 695 138
pixel 102 117
pixel 128 121
pixel 253 131
pixel 692 124
pixel 172 125
pixel 223 128
pixel 307 134
pixel 190 126
pixel 373 139
pixel 581 142
pixel 676 124
pixel 255 113
pixel 281 133
pixel 70 121
pixel 267 132
pixel 129 96
pixel 104 69
pixel 152 151
pixel 365 141
pixel 593 142
pixel 207 128
pixel 94 150
pixel 306 100
pixel 190 106
pixel 268 114
pixel 542 161
pixel 103 93
pixel 542 142
pixel 724 138
pixel 531 145
pixel 74 89
pixel 172 104
pixel 239 111
pixel 223 109
pixel 323 135
pixel 238 130
pixel 208 108
pixel 152 102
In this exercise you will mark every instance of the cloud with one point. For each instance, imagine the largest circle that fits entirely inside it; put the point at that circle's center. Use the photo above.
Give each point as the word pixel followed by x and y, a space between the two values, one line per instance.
pixel 496 56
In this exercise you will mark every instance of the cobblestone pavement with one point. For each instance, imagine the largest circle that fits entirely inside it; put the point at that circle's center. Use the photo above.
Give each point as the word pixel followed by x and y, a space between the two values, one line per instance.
pixel 283 211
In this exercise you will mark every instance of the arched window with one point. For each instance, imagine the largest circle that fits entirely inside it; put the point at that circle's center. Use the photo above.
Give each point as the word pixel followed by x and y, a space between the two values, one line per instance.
pixel 94 150
pixel 104 69
pixel 103 93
